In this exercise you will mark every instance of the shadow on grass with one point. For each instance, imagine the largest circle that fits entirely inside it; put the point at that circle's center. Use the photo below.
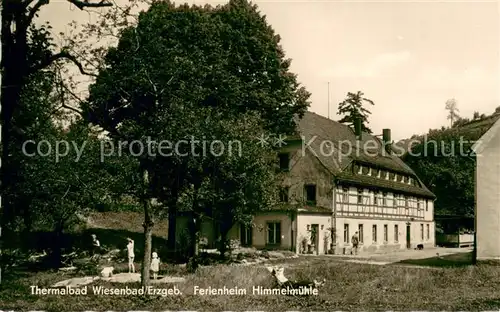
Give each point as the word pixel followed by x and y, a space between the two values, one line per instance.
pixel 454 260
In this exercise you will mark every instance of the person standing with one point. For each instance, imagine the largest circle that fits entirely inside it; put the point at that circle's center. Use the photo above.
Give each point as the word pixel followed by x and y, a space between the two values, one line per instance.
pixel 155 265
pixel 131 255
pixel 355 243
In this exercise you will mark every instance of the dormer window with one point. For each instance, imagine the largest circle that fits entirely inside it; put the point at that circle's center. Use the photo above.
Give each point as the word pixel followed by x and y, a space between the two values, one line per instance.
pixel 360 171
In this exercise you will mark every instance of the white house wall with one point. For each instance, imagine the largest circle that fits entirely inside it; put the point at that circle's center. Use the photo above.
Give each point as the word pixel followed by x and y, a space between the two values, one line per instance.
pixel 487 201
pixel 324 225
pixel 352 214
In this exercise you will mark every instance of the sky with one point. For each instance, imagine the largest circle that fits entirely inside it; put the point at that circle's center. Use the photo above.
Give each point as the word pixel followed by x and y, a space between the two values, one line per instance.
pixel 408 57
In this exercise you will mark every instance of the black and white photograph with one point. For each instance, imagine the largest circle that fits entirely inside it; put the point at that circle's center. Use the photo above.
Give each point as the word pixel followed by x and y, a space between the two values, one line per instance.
pixel 237 155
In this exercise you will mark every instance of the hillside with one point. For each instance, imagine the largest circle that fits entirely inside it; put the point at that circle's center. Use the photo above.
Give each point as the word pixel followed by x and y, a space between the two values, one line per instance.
pixel 474 128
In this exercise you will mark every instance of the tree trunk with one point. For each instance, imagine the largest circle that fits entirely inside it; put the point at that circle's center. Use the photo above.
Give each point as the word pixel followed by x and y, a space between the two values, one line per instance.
pixel 56 253
pixel 148 231
pixel 195 236
pixel 148 235
pixel 172 227
pixel 223 248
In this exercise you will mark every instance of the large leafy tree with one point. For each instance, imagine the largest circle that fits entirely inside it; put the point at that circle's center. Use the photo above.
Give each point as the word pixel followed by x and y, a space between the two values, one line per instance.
pixel 177 59
pixel 352 109
pixel 445 164
pixel 26 51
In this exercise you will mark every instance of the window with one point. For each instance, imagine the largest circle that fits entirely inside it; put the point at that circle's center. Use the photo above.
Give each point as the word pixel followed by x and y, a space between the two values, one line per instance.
pixel 360 171
pixel 284 161
pixel 346 233
pixel 422 231
pixel 345 195
pixel 418 204
pixel 379 173
pixel 406 201
pixel 387 175
pixel 274 233
pixel 360 196
pixel 428 232
pixel 245 235
pixel 375 198
pixel 426 205
pixel 374 233
pixel 284 194
pixel 386 233
pixel 396 233
pixel 395 200
pixel 360 232
pixel 369 171
pixel 310 191
pixel 384 199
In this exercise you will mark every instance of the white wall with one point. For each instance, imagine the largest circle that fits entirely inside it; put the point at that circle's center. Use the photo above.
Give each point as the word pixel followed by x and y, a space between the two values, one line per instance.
pixel 324 223
pixel 487 202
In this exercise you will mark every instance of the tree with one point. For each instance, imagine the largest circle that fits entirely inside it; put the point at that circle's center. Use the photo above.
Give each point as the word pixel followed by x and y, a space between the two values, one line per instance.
pixel 451 107
pixel 446 166
pixel 19 63
pixel 236 184
pixel 352 109
pixel 476 115
pixel 178 59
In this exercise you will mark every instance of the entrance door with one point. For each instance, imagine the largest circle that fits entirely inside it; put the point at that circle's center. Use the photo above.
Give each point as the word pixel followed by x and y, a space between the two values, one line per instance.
pixel 315 237
pixel 245 235
pixel 408 236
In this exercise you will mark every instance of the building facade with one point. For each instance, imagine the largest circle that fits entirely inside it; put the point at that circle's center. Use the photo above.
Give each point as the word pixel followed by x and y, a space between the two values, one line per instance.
pixel 487 189
pixel 337 181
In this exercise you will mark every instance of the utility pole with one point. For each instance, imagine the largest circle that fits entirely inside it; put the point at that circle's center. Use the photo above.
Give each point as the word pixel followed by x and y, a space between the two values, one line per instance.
pixel 328 99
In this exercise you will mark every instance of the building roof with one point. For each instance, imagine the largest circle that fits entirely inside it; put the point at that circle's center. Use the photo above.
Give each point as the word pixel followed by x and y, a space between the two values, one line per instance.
pixel 483 142
pixel 321 134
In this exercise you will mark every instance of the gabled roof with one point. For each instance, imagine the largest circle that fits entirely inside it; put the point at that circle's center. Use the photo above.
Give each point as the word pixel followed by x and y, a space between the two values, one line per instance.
pixel 320 134
pixel 483 142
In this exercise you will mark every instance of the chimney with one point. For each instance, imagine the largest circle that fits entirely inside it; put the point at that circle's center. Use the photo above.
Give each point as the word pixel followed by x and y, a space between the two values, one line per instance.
pixel 386 139
pixel 357 128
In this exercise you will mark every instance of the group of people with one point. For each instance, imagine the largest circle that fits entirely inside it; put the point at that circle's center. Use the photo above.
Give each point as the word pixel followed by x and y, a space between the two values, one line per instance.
pixel 155 261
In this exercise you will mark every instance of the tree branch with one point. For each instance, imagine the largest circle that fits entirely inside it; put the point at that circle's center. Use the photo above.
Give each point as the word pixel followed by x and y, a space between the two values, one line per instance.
pixel 35 9
pixel 61 55
pixel 86 4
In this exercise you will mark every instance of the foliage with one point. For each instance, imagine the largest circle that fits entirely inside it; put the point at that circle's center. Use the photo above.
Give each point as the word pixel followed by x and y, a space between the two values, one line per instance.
pixel 445 163
pixel 27 53
pixel 352 109
pixel 176 66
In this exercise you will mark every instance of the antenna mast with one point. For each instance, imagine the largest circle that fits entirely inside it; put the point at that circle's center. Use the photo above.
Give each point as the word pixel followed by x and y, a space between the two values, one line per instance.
pixel 328 99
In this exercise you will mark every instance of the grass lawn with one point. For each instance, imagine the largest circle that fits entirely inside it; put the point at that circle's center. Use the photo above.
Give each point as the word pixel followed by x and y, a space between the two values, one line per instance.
pixel 349 286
